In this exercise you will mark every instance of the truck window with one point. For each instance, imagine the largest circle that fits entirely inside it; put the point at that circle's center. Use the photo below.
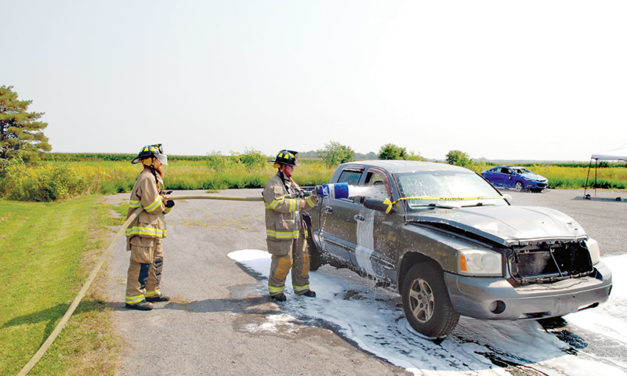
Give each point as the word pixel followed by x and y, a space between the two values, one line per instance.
pixel 373 178
pixel 379 189
pixel 349 177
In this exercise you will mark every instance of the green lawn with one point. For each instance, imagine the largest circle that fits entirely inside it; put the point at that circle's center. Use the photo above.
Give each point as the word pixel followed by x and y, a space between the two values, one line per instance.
pixel 46 252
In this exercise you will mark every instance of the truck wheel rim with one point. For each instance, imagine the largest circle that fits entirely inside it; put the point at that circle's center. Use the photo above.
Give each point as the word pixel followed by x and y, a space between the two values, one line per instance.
pixel 421 300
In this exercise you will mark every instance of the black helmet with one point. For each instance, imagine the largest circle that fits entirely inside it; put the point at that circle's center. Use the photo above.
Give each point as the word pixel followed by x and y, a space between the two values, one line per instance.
pixel 151 151
pixel 286 157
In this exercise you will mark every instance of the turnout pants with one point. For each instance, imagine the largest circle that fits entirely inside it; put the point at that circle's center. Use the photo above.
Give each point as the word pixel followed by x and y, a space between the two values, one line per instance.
pixel 144 270
pixel 288 254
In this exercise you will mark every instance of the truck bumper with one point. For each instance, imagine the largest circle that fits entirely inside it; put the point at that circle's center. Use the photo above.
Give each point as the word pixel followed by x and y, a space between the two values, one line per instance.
pixel 496 298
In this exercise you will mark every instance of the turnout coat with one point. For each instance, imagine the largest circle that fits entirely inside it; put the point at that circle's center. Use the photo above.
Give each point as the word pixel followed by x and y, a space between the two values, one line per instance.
pixel 146 194
pixel 282 203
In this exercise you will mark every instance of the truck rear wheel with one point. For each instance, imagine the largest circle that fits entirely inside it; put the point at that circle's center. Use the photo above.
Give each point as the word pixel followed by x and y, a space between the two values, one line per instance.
pixel 426 302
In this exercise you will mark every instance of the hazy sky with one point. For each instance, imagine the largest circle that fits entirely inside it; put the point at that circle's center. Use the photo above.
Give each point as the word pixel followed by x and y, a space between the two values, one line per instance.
pixel 496 79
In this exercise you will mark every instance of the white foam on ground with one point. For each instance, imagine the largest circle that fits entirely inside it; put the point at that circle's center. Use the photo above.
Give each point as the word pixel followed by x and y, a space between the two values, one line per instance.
pixel 373 319
pixel 276 323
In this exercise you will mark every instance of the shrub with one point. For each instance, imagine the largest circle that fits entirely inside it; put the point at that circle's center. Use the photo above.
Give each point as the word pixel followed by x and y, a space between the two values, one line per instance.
pixel 391 151
pixel 48 185
pixel 335 153
pixel 415 157
pixel 458 158
pixel 219 162
pixel 253 158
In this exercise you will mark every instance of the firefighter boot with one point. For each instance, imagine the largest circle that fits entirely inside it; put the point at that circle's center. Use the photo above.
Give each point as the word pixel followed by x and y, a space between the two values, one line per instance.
pixel 309 293
pixel 142 306
pixel 158 298
pixel 280 297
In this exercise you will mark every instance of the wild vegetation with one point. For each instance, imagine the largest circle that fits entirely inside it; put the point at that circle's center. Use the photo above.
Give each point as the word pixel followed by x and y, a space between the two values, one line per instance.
pixel 62 176
pixel 52 179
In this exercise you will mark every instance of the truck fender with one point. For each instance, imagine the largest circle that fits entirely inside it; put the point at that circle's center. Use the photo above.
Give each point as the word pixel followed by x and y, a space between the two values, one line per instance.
pixel 405 262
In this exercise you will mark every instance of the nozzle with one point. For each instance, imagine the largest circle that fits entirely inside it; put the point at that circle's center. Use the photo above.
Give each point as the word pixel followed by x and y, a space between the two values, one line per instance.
pixel 339 190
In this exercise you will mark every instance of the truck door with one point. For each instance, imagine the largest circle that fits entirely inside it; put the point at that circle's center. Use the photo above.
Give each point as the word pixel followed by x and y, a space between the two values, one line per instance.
pixel 373 248
pixel 337 223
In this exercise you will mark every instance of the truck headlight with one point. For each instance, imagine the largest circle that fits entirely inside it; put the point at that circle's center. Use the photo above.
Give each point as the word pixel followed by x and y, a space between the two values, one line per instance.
pixel 595 251
pixel 480 262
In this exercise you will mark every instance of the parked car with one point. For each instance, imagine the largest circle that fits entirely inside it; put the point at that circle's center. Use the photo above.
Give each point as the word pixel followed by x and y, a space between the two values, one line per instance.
pixel 453 245
pixel 515 177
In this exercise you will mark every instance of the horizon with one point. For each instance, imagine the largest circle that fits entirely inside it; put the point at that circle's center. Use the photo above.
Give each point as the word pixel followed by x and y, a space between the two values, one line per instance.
pixel 503 161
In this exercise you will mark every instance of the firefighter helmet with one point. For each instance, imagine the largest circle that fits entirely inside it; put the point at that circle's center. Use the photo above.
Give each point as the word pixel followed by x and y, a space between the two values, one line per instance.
pixel 286 157
pixel 148 151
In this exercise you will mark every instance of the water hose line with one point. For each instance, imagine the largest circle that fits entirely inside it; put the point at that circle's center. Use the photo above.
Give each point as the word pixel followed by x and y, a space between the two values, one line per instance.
pixel 81 294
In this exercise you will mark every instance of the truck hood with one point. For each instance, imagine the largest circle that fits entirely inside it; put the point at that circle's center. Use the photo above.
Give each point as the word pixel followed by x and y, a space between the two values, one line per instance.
pixel 506 225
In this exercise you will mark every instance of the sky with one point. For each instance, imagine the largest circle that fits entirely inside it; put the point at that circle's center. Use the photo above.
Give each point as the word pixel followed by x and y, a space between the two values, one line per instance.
pixel 501 80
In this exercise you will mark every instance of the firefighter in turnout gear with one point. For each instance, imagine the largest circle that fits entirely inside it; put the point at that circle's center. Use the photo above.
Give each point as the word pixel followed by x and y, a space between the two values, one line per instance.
pixel 144 234
pixel 285 232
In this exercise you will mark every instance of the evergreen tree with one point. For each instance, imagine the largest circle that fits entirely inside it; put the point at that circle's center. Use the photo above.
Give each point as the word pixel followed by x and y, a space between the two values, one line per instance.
pixel 20 130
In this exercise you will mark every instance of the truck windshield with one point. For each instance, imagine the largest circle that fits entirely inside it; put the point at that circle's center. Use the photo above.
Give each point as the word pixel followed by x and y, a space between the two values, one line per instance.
pixel 452 188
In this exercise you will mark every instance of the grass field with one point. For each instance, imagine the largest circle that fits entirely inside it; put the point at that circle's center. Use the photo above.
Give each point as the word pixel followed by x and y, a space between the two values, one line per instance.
pixel 47 250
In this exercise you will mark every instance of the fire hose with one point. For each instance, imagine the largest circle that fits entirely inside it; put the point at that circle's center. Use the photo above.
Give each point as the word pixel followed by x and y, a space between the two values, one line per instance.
pixel 323 191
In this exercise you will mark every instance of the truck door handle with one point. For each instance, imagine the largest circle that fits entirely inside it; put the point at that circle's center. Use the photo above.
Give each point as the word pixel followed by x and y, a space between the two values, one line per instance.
pixel 359 217
pixel 328 209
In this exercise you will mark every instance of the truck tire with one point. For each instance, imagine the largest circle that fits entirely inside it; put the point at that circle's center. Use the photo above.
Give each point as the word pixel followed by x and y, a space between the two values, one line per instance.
pixel 426 302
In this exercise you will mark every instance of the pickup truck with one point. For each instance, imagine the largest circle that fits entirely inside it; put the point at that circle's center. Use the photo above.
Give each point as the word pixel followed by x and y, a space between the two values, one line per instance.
pixel 453 245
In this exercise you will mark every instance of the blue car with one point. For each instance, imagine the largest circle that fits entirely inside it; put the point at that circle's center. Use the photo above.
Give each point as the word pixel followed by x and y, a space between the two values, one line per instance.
pixel 515 177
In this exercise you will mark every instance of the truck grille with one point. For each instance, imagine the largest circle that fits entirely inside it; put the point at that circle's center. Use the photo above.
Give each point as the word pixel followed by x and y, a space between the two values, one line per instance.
pixel 548 262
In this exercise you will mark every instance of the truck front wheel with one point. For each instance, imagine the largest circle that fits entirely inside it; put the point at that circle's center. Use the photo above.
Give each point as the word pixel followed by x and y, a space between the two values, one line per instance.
pixel 426 302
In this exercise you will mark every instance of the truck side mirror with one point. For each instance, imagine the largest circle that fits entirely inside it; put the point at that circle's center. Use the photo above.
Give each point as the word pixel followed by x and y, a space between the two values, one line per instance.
pixel 375 204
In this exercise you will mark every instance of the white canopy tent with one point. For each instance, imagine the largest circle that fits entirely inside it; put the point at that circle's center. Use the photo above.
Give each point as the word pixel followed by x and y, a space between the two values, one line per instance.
pixel 618 154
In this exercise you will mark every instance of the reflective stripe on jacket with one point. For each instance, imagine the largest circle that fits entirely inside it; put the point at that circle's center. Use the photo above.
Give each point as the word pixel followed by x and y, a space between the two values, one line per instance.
pixel 282 211
pixel 146 194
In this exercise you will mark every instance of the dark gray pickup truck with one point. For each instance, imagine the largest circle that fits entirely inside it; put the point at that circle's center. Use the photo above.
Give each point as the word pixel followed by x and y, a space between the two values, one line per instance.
pixel 453 245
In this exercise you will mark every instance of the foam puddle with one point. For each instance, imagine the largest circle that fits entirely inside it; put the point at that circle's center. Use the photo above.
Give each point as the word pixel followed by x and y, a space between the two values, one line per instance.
pixel 373 320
